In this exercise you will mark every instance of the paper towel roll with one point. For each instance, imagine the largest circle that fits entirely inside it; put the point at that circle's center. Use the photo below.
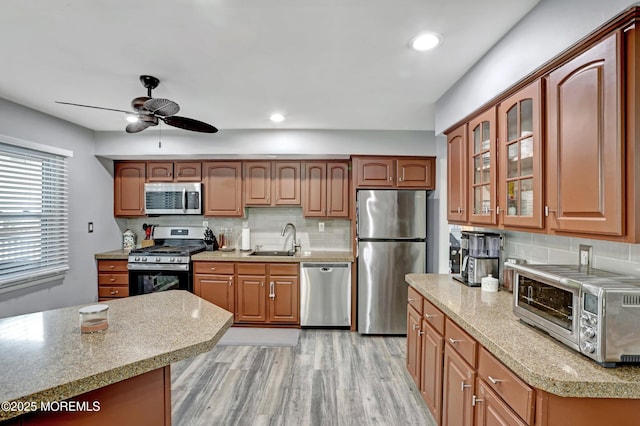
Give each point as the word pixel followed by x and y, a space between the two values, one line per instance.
pixel 246 239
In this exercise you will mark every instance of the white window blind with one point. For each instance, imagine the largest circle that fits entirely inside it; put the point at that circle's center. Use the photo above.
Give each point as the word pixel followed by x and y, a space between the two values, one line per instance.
pixel 33 216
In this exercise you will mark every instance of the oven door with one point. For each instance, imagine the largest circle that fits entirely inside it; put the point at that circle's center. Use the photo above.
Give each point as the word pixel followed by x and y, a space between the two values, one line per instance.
pixel 549 304
pixel 145 279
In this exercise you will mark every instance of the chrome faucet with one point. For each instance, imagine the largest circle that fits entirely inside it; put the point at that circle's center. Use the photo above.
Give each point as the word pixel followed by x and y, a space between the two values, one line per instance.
pixel 294 246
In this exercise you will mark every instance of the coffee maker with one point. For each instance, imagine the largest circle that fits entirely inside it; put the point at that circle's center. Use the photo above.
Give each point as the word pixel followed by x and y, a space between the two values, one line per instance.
pixel 480 254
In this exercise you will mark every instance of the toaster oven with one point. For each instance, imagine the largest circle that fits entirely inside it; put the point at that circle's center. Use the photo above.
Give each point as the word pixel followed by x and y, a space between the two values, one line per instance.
pixel 594 312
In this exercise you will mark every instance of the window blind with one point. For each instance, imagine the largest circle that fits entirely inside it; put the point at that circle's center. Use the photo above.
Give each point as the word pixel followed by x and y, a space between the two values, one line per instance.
pixel 33 216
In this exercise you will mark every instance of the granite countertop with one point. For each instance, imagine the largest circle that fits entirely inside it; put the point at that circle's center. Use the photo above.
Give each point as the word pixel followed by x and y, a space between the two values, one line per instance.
pixel 538 359
pixel 304 256
pixel 44 357
pixel 114 254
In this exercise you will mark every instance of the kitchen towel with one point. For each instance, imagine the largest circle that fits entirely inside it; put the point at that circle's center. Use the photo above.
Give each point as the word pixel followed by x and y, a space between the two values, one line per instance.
pixel 246 239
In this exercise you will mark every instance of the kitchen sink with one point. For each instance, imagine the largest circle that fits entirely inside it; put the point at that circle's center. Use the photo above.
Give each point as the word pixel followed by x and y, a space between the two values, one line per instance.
pixel 273 253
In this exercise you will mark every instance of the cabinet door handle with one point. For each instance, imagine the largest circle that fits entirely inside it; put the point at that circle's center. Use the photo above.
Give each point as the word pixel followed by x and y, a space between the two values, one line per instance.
pixel 427 316
pixel 414 326
pixel 272 290
pixel 474 400
pixel 494 381
pixel 420 332
pixel 261 284
pixel 412 300
pixel 230 281
pixel 464 385
pixel 454 341
pixel 390 178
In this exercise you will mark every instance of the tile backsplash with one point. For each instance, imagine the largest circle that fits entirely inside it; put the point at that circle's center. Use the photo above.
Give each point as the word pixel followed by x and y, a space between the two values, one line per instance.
pixel 266 227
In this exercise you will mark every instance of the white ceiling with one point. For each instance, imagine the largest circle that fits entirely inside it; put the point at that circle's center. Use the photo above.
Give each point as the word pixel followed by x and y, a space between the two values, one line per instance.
pixel 325 64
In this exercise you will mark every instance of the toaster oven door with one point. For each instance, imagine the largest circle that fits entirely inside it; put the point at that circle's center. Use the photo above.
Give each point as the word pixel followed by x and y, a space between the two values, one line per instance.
pixel 549 305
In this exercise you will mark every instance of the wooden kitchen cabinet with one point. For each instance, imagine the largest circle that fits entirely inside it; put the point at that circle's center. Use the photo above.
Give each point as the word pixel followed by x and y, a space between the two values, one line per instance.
pixel 325 189
pixel 482 168
pixel 432 358
pixel 520 177
pixel 585 146
pixel 128 189
pixel 113 279
pixel 490 409
pixel 414 344
pixel 458 383
pixel 276 183
pixel 457 198
pixel 394 172
pixel 174 171
pixel 267 293
pixel 223 188
pixel 214 282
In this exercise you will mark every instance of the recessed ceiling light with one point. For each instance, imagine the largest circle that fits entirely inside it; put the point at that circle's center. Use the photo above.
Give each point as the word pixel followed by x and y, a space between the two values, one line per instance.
pixel 277 118
pixel 132 118
pixel 425 41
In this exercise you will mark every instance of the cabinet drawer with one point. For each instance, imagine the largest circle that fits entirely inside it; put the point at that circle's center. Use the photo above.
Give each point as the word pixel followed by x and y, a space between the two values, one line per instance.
pixel 283 269
pixel 252 268
pixel 113 279
pixel 112 266
pixel 415 299
pixel 464 344
pixel 113 291
pixel 516 393
pixel 433 316
pixel 214 268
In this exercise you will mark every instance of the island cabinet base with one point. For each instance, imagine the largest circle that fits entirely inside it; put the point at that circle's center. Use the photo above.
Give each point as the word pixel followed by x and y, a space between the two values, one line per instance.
pixel 555 410
pixel 140 400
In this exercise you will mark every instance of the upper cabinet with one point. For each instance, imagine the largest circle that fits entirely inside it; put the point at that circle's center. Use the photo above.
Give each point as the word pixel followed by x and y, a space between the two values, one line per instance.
pixel 326 189
pixel 170 171
pixel 269 183
pixel 585 146
pixel 128 189
pixel 392 172
pixel 520 167
pixel 482 172
pixel 457 175
pixel 223 188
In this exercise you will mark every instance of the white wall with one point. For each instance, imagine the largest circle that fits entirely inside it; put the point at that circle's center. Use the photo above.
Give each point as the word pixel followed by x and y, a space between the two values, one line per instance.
pixel 90 199
pixel 548 29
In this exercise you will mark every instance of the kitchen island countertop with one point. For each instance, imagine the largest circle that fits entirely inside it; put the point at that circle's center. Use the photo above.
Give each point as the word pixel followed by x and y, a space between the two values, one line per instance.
pixel 538 359
pixel 44 356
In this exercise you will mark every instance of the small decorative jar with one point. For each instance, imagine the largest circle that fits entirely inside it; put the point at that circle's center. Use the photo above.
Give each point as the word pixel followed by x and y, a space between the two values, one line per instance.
pixel 129 240
pixel 94 318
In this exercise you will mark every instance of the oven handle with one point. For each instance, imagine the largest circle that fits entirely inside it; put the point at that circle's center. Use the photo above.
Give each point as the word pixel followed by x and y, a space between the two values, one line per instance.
pixel 157 267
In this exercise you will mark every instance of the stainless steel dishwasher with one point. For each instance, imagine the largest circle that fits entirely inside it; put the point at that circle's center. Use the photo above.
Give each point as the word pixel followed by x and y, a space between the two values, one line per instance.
pixel 325 294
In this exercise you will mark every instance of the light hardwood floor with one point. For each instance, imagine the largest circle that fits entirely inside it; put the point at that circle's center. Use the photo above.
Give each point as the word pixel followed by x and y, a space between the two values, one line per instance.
pixel 332 377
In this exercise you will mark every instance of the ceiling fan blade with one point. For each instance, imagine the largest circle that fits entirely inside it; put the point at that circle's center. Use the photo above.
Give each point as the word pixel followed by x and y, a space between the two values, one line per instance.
pixel 138 126
pixel 189 124
pixel 138 103
pixel 161 107
pixel 95 107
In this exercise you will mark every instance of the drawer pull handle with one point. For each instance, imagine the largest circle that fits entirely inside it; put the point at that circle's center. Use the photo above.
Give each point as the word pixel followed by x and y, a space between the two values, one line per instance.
pixel 474 400
pixel 427 316
pixel 114 292
pixel 112 279
pixel 454 341
pixel 112 266
pixel 412 300
pixel 213 269
pixel 464 385
pixel 495 381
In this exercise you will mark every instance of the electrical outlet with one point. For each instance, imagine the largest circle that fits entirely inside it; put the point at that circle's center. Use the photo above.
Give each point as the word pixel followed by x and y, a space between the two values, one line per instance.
pixel 320 226
pixel 205 223
pixel 586 254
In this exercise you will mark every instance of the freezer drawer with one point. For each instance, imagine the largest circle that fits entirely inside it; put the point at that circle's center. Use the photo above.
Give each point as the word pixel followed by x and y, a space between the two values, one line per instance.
pixel 325 294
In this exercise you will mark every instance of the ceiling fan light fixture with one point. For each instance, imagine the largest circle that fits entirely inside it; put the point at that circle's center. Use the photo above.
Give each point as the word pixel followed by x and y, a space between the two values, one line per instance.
pixel 426 41
pixel 277 117
pixel 132 118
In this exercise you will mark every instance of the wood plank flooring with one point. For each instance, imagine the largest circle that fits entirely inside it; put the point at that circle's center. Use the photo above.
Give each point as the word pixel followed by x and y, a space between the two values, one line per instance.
pixel 332 377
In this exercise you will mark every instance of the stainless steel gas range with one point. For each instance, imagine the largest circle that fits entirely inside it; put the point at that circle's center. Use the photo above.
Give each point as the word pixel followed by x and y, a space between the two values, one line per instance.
pixel 167 264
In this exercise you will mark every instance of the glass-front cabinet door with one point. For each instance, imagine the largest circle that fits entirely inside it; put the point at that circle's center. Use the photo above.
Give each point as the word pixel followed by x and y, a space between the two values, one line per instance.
pixel 520 187
pixel 482 176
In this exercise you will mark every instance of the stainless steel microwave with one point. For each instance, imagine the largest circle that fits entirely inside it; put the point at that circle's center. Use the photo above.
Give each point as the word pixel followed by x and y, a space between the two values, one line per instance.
pixel 173 198
pixel 595 312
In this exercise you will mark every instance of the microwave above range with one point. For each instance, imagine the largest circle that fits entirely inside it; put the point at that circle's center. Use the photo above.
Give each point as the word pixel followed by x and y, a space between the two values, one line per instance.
pixel 173 198
pixel 594 312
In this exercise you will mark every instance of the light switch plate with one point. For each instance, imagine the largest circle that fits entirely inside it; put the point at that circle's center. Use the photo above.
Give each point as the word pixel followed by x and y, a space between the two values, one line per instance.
pixel 320 226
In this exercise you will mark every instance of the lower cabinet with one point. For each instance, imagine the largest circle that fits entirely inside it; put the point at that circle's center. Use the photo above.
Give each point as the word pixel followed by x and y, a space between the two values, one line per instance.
pixel 256 293
pixel 461 383
pixel 113 279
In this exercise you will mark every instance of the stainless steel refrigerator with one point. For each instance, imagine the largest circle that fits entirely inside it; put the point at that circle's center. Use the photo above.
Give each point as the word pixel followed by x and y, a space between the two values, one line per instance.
pixel 392 241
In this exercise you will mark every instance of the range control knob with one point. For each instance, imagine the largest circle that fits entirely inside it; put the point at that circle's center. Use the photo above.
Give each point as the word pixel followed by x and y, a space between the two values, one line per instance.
pixel 137 259
pixel 584 318
pixel 593 320
pixel 173 259
pixel 588 347
pixel 144 259
pixel 589 332
pixel 157 259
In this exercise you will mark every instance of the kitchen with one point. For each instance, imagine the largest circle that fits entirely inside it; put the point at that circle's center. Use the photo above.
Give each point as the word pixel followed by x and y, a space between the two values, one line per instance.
pixel 93 162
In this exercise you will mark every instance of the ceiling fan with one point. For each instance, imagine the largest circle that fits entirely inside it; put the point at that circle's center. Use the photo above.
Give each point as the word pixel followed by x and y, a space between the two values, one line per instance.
pixel 148 110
